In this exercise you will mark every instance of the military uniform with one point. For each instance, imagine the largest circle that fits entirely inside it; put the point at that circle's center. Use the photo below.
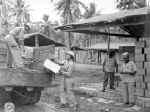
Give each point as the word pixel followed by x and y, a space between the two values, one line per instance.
pixel 67 83
pixel 109 67
pixel 128 81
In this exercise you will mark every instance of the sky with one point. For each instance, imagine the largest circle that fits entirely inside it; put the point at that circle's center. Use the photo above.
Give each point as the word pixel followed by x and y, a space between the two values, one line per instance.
pixel 41 7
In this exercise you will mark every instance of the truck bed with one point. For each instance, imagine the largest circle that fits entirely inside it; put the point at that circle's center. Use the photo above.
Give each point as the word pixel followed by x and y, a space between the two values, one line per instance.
pixel 23 77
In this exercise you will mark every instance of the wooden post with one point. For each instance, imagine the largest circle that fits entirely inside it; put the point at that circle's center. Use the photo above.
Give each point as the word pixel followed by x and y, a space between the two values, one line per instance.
pixel 37 51
pixel 108 42
pixel 36 41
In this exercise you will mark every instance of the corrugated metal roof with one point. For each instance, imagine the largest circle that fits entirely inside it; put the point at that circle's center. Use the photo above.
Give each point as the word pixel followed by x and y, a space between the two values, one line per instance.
pixel 114 16
pixel 113 46
pixel 108 18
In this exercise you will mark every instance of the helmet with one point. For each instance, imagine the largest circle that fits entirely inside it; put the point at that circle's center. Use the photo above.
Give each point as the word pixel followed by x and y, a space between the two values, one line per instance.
pixel 71 53
pixel 125 56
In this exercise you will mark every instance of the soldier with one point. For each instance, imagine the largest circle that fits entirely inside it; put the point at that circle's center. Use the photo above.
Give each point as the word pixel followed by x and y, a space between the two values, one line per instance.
pixel 45 27
pixel 128 71
pixel 67 84
pixel 13 42
pixel 109 67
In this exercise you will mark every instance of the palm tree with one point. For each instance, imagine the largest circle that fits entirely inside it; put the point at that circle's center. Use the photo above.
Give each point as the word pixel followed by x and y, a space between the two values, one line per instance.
pixel 70 11
pixel 10 10
pixel 4 16
pixel 21 12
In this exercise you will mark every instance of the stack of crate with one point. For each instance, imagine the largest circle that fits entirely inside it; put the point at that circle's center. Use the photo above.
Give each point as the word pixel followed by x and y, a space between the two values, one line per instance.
pixel 142 59
pixel 4 55
pixel 139 60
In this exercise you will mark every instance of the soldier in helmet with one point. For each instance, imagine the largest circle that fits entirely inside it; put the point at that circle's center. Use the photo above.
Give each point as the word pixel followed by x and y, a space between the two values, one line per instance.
pixel 67 83
pixel 128 71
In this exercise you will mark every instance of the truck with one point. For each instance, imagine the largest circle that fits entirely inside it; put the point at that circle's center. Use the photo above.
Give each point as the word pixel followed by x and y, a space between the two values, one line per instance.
pixel 23 85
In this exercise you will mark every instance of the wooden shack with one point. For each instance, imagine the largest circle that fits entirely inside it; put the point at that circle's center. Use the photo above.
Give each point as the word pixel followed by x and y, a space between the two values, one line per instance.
pixel 137 23
pixel 98 52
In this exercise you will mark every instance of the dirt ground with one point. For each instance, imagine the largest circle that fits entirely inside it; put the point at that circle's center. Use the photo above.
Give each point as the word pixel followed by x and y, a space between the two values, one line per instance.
pixel 89 95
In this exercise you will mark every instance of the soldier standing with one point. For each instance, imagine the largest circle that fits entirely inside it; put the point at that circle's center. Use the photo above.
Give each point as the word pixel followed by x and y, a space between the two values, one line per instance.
pixel 67 83
pixel 128 71
pixel 109 67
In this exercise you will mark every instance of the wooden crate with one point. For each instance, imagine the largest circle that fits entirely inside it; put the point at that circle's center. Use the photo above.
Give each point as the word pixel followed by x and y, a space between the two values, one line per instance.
pixel 143 101
pixel 148 85
pixel 140 92
pixel 139 65
pixel 139 51
pixel 147 42
pixel 147 51
pixel 147 57
pixel 140 71
pixel 147 93
pixel 140 82
pixel 140 58
pixel 140 44
pixel 140 78
pixel 147 66
pixel 147 78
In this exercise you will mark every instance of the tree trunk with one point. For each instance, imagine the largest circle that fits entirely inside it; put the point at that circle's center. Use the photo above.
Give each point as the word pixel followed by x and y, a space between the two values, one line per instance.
pixel 68 19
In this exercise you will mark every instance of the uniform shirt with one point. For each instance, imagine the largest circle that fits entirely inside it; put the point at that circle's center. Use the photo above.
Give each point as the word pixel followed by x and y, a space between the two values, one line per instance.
pixel 128 67
pixel 110 64
pixel 68 68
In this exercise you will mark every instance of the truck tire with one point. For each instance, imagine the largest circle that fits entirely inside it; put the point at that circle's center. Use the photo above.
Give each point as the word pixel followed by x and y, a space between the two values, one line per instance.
pixel 20 95
pixel 4 96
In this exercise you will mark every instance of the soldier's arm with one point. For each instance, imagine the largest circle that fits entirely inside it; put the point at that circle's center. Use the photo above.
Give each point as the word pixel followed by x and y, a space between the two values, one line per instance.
pixel 116 64
pixel 68 72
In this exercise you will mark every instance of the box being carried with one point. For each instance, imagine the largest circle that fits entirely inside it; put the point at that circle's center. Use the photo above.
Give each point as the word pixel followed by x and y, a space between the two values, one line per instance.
pixel 51 66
